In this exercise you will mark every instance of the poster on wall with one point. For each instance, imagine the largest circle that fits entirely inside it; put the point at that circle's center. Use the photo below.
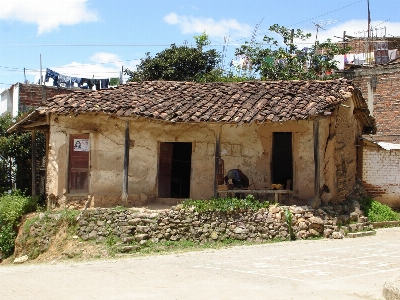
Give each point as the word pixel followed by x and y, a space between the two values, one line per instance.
pixel 81 145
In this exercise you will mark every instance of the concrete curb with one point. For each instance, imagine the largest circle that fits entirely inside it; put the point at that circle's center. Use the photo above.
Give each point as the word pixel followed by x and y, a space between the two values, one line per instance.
pixel 385 224
pixel 360 234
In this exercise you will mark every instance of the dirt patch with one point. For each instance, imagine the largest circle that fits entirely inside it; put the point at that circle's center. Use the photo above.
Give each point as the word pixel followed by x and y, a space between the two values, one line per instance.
pixel 54 242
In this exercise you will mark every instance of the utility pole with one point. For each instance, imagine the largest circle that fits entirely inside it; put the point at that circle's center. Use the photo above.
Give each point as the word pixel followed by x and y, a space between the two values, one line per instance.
pixel 291 38
pixel 40 79
pixel 369 19
pixel 344 39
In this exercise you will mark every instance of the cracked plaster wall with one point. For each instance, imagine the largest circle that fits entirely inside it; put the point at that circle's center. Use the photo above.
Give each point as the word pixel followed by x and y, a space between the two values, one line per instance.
pixel 340 154
pixel 247 147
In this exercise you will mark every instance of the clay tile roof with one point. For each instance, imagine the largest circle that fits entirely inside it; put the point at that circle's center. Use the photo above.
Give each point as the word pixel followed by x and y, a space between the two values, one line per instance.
pixel 243 102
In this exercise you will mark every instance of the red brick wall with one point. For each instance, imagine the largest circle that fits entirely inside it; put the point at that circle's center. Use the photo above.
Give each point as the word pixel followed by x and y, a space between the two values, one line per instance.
pixel 31 95
pixel 386 95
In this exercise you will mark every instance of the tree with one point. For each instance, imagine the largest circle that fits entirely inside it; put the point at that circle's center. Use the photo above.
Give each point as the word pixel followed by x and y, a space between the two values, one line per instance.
pixel 289 62
pixel 16 156
pixel 181 63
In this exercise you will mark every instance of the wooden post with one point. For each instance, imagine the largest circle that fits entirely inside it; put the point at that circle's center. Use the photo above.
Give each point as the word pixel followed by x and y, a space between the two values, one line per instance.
pixel 48 204
pixel 217 157
pixel 34 192
pixel 317 200
pixel 126 166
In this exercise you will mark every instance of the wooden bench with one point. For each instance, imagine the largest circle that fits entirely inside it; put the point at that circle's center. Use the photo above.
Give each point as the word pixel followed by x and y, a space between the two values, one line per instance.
pixel 276 193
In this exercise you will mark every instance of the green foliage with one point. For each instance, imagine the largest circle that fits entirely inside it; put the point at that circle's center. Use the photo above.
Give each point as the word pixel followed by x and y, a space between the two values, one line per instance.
pixel 12 208
pixel 219 75
pixel 288 62
pixel 225 204
pixel 16 156
pixel 202 40
pixel 7 239
pixel 378 212
pixel 289 218
pixel 181 63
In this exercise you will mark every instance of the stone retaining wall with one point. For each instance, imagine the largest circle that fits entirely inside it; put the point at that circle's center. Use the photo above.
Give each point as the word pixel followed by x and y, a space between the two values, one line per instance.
pixel 186 224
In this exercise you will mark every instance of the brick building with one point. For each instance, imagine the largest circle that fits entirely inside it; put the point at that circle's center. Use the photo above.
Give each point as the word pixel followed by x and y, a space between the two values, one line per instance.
pixel 22 97
pixel 380 155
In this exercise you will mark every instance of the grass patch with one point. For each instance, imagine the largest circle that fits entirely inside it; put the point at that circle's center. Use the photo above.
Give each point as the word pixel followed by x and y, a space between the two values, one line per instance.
pixel 378 212
pixel 167 247
pixel 40 230
pixel 225 204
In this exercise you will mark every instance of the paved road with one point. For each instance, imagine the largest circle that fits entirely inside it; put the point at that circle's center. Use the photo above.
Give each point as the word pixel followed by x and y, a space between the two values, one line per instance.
pixel 317 269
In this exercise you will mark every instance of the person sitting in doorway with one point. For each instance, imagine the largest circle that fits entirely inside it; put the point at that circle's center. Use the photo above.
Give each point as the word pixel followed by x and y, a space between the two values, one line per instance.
pixel 239 180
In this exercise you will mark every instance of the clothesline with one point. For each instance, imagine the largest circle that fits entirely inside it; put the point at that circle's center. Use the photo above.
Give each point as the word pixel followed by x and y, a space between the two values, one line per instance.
pixel 373 57
pixel 83 83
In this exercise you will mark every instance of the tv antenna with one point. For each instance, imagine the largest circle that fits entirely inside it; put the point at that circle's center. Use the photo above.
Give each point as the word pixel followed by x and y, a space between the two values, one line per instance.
pixel 224 49
pixel 253 37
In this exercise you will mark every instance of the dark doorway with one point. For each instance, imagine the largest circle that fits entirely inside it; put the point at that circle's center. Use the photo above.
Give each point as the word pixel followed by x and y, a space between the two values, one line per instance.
pixel 174 170
pixel 282 159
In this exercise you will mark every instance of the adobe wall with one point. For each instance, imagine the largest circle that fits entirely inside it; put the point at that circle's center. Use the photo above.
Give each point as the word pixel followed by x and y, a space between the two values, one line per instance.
pixel 381 174
pixel 247 147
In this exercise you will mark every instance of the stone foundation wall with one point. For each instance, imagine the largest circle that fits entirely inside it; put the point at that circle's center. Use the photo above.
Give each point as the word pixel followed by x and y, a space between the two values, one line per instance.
pixel 185 224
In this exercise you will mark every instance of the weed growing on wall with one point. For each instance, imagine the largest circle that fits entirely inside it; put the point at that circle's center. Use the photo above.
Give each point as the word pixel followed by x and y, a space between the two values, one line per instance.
pixel 225 204
pixel 378 212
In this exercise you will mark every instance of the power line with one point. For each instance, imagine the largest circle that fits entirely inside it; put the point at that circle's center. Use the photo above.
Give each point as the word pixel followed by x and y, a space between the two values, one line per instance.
pixel 310 18
pixel 85 45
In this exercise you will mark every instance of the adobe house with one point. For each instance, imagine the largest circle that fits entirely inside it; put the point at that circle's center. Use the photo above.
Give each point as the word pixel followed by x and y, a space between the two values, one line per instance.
pixel 154 141
pixel 380 84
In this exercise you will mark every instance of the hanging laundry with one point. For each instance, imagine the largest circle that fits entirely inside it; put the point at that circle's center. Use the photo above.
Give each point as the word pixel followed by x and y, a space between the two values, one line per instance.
pixel 96 82
pixel 76 80
pixel 359 59
pixel 88 83
pixel 339 59
pixel 392 54
pixel 53 75
pixel 64 80
pixel 104 83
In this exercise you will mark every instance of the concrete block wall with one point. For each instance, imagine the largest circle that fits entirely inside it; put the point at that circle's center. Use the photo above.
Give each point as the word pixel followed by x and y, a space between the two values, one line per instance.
pixel 381 175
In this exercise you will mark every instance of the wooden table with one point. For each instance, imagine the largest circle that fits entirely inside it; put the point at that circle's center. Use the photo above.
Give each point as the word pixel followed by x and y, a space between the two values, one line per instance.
pixel 277 193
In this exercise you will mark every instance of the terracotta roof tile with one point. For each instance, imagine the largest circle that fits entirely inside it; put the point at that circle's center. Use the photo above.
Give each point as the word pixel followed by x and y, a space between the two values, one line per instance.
pixel 243 102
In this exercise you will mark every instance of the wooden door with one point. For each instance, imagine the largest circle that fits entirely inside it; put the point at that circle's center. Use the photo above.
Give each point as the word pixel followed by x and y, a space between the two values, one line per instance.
pixel 78 168
pixel 164 170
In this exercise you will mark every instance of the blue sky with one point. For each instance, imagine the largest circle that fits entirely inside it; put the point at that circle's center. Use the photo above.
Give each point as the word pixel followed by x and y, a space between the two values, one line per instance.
pixel 86 38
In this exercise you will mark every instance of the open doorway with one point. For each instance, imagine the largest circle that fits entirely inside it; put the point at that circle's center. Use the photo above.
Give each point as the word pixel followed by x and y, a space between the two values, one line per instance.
pixel 175 162
pixel 282 159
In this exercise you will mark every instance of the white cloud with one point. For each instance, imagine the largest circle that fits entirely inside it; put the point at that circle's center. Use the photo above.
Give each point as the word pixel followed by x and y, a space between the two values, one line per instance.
pixel 219 29
pixel 106 58
pixel 48 15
